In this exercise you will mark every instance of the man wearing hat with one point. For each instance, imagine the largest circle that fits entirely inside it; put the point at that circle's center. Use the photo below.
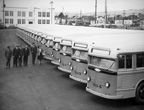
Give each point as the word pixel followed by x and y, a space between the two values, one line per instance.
pixel 26 54
pixel 8 55
pixel 15 56
pixel 34 53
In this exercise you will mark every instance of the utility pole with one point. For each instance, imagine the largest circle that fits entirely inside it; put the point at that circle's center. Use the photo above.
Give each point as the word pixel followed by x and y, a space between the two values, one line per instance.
pixel 95 11
pixel 51 12
pixel 3 13
pixel 105 12
pixel 123 15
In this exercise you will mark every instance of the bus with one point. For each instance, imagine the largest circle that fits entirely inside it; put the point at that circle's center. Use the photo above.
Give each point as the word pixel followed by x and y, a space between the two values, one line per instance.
pixel 116 69
pixel 49 47
pixel 79 65
pixel 55 51
pixel 66 50
pixel 65 54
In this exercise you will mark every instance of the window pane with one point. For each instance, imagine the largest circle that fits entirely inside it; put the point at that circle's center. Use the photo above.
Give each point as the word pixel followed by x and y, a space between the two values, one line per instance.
pixel 6 21
pixel 19 13
pixel 128 61
pixel 11 21
pixel 11 13
pixel 19 21
pixel 84 55
pixel 39 21
pixel 6 13
pixel 121 61
pixel 43 14
pixel 39 14
pixel 23 21
pixel 48 21
pixel 30 14
pixel 77 53
pixel 101 62
pixel 43 21
pixel 23 14
pixel 48 14
pixel 140 60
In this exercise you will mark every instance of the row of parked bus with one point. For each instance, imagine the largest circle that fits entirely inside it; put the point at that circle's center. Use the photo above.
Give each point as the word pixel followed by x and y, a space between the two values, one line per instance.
pixel 109 61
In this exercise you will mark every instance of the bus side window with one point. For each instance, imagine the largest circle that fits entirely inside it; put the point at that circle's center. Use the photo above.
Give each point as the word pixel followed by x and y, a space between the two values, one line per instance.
pixel 121 61
pixel 125 61
pixel 140 60
pixel 128 61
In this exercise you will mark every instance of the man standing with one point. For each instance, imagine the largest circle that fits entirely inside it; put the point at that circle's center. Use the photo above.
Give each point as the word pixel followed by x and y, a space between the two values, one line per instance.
pixel 20 55
pixel 26 53
pixel 8 55
pixel 15 56
pixel 33 52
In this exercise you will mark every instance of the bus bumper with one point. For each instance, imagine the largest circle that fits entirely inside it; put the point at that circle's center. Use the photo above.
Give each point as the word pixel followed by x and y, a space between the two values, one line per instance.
pixel 48 58
pixel 64 70
pixel 55 63
pixel 77 79
pixel 103 95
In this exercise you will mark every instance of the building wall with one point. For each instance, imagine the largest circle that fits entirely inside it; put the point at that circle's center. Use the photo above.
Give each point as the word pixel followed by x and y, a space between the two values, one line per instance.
pixel 20 15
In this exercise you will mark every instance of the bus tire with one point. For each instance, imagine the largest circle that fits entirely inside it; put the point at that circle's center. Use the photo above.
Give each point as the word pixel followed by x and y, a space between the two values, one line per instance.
pixel 140 93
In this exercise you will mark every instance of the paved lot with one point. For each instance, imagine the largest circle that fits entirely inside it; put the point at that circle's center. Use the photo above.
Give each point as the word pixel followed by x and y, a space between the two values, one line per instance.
pixel 44 87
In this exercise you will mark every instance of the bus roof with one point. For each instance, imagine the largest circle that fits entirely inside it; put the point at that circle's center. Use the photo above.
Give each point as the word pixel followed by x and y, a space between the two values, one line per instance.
pixel 117 44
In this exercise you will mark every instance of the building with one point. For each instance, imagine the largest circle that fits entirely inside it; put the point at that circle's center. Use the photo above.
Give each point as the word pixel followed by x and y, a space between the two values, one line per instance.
pixel 23 15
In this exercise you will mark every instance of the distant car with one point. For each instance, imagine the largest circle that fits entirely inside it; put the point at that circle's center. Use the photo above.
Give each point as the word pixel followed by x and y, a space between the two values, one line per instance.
pixel 12 27
pixel 2 26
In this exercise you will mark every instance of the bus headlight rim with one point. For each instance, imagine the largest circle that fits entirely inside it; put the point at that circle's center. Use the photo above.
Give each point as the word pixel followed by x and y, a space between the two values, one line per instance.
pixel 88 79
pixel 85 71
pixel 107 84
pixel 69 63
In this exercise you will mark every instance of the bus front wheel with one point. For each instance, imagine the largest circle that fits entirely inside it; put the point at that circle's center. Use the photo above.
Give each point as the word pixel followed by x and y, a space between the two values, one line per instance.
pixel 140 93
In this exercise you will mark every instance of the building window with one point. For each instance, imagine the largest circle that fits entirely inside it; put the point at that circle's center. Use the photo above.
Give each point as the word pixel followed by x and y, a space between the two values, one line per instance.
pixel 39 21
pixel 19 13
pixel 23 14
pixel 48 14
pixel 43 21
pixel 11 21
pixel 140 60
pixel 39 14
pixel 30 14
pixel 48 21
pixel 19 21
pixel 6 13
pixel 43 14
pixel 11 13
pixel 23 21
pixel 6 21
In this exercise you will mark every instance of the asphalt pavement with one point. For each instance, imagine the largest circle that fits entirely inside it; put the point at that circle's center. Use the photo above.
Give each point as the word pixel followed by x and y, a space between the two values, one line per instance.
pixel 44 87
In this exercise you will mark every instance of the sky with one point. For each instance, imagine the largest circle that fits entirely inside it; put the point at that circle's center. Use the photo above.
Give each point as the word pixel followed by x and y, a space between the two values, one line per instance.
pixel 76 6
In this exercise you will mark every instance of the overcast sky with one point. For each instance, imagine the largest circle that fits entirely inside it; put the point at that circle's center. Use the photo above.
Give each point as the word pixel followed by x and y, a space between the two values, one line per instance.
pixel 69 6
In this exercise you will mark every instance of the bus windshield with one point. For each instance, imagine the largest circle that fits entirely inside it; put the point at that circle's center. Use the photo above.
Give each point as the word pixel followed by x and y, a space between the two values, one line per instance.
pixel 66 49
pixel 81 54
pixel 101 62
pixel 51 43
pixel 57 46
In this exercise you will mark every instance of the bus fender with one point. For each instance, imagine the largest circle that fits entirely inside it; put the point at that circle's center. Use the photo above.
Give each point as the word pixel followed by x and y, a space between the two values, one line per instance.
pixel 142 80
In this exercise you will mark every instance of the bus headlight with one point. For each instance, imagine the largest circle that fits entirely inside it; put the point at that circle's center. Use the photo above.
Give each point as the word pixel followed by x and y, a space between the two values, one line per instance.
pixel 85 71
pixel 107 84
pixel 69 63
pixel 71 68
pixel 88 79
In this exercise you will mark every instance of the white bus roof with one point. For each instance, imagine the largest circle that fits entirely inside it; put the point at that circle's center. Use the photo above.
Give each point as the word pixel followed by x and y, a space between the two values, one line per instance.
pixel 120 44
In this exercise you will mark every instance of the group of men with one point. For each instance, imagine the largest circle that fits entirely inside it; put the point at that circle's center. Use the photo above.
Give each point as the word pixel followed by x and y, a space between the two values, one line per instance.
pixel 20 55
